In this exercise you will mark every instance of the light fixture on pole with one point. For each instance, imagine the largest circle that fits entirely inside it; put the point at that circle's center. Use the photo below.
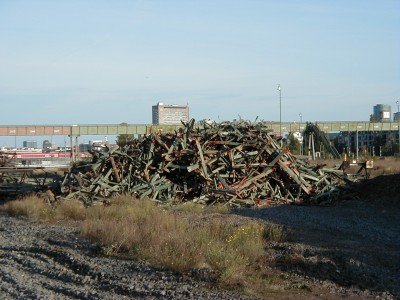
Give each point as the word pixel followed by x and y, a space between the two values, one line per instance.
pixel 280 110
pixel 301 143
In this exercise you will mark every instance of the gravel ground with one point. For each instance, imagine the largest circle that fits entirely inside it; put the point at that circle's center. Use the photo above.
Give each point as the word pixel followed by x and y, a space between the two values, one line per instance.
pixel 349 250
pixel 53 262
pixel 352 249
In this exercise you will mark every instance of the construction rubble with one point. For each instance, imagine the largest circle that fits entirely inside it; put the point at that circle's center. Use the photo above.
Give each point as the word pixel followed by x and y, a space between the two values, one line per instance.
pixel 236 163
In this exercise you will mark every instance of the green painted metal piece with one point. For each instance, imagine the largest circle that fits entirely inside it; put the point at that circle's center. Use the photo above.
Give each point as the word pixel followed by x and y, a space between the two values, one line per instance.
pixel 236 163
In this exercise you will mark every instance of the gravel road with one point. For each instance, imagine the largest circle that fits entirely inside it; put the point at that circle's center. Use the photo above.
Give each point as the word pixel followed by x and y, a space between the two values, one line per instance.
pixel 53 262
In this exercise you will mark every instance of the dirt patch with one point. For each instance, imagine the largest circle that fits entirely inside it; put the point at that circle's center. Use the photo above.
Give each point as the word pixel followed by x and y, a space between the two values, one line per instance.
pixel 350 249
pixel 378 188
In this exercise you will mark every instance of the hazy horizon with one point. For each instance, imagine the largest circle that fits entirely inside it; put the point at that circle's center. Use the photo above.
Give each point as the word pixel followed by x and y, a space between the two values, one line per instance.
pixel 85 62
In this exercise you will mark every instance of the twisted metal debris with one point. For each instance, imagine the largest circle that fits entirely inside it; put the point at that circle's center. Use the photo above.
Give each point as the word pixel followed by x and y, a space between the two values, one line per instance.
pixel 237 163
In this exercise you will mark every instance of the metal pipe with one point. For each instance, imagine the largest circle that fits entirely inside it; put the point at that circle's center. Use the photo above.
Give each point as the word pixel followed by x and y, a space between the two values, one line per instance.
pixel 313 146
pixel 348 143
pixel 77 147
pixel 72 147
pixel 357 145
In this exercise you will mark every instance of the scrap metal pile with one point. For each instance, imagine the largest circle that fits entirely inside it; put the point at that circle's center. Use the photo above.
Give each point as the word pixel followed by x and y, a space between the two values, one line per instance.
pixel 17 182
pixel 5 161
pixel 237 163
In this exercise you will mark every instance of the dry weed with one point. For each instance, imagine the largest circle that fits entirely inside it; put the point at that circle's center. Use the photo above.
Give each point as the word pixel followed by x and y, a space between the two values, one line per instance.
pixel 30 206
pixel 70 209
pixel 232 252
pixel 37 209
pixel 166 239
pixel 196 208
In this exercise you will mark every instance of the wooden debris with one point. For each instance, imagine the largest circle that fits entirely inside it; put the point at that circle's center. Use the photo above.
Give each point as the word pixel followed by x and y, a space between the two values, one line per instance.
pixel 237 163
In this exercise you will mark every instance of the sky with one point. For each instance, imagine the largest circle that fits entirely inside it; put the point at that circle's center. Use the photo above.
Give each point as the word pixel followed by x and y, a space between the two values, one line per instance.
pixel 86 62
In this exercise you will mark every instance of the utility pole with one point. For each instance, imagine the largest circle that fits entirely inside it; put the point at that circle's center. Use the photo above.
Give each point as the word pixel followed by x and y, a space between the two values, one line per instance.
pixel 280 110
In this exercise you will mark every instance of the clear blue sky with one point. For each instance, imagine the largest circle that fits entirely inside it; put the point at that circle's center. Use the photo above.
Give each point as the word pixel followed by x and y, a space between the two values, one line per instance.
pixel 73 61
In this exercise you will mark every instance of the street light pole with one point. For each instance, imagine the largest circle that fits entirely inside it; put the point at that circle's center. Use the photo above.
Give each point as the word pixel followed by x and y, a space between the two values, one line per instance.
pixel 301 144
pixel 280 110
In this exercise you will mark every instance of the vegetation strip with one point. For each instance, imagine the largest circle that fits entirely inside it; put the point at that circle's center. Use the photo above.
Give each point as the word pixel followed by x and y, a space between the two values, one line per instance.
pixel 226 252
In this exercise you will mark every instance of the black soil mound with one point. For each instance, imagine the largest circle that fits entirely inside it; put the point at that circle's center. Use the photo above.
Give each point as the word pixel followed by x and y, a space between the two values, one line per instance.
pixel 384 186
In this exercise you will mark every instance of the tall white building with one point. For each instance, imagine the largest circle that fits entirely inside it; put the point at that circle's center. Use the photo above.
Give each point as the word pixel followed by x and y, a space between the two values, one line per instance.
pixel 169 114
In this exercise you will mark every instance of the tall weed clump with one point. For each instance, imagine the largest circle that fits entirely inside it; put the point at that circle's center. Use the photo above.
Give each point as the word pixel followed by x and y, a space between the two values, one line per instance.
pixel 31 206
pixel 37 209
pixel 166 239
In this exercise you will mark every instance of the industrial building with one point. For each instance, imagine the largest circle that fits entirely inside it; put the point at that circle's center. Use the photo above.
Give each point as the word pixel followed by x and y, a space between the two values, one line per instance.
pixel 374 143
pixel 371 141
pixel 165 114
pixel 382 113
pixel 48 145
pixel 29 144
pixel 365 139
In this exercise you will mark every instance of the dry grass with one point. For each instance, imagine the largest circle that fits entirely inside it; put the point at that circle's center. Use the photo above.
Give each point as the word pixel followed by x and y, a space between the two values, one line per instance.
pixel 196 208
pixel 233 252
pixel 275 232
pixel 37 209
pixel 31 206
pixel 70 210
pixel 165 239
pixel 386 165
